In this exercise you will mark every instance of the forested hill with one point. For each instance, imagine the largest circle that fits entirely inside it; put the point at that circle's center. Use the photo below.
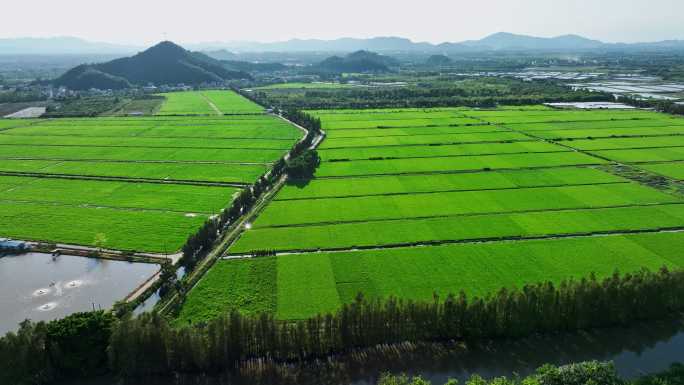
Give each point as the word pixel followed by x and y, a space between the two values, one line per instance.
pixel 360 61
pixel 165 63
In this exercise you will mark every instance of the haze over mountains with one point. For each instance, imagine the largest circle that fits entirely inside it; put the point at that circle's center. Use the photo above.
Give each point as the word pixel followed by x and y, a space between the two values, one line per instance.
pixel 501 41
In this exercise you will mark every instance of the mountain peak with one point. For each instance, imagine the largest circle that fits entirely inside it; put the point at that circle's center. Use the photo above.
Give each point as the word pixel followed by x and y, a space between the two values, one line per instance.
pixel 164 63
pixel 165 48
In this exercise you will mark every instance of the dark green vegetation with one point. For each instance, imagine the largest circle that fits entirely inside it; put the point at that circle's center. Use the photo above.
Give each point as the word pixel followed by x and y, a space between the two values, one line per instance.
pixel 92 106
pixel 73 347
pixel 403 199
pixel 140 105
pixel 165 63
pixel 360 61
pixel 438 61
pixel 85 106
pixel 303 166
pixel 673 376
pixel 141 184
pixel 148 345
pixel 426 91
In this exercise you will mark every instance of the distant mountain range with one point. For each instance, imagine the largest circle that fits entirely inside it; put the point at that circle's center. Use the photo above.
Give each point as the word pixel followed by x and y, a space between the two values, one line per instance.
pixel 61 46
pixel 165 63
pixel 501 41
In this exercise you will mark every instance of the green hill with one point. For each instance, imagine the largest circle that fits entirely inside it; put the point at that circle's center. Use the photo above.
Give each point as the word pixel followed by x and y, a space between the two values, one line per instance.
pixel 438 61
pixel 165 63
pixel 359 61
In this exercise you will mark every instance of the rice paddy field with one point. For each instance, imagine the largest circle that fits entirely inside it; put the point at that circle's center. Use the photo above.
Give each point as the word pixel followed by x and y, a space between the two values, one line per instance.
pixel 207 102
pixel 142 184
pixel 417 202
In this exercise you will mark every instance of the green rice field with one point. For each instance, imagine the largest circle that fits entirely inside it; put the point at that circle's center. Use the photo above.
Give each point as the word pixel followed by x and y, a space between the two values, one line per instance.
pixel 309 284
pixel 413 202
pixel 140 184
pixel 207 102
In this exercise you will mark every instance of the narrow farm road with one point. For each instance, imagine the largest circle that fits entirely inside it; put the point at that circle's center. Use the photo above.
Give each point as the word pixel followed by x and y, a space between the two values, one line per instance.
pixel 212 105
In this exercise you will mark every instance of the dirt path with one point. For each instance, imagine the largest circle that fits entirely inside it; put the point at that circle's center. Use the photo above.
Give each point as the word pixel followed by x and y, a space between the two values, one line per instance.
pixel 140 290
pixel 212 105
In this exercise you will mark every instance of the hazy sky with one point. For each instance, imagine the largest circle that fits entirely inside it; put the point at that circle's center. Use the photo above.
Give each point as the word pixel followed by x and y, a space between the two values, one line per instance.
pixel 191 21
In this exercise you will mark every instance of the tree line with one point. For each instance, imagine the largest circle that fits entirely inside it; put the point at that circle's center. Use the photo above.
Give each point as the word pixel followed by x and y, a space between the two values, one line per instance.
pixel 483 93
pixel 148 345
pixel 666 106
pixel 299 163
pixel 222 343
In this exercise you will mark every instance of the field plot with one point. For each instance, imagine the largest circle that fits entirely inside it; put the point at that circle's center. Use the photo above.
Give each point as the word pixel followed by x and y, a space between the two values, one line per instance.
pixel 186 103
pixel 406 140
pixel 674 170
pixel 355 120
pixel 130 183
pixel 626 143
pixel 644 155
pixel 410 131
pixel 209 102
pixel 407 184
pixel 11 123
pixel 415 202
pixel 416 151
pixel 446 204
pixel 452 164
pixel 309 284
pixel 229 102
pixel 462 228
pixel 252 288
pixel 650 141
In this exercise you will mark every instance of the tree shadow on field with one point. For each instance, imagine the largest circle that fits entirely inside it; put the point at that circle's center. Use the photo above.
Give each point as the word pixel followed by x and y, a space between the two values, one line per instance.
pixel 299 183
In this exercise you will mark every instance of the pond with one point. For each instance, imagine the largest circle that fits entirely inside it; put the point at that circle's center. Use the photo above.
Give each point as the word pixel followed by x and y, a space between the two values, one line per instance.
pixel 36 287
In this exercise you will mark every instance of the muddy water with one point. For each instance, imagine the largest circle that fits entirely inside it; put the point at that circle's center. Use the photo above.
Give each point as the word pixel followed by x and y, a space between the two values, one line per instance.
pixel 36 287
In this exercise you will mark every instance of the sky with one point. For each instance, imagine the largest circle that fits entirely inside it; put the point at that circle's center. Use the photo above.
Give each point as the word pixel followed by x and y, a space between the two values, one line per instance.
pixel 148 21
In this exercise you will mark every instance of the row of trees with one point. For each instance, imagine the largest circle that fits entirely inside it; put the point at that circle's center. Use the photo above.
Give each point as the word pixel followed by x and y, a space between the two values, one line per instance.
pixel 200 243
pixel 485 92
pixel 666 106
pixel 300 163
pixel 148 345
pixel 311 123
